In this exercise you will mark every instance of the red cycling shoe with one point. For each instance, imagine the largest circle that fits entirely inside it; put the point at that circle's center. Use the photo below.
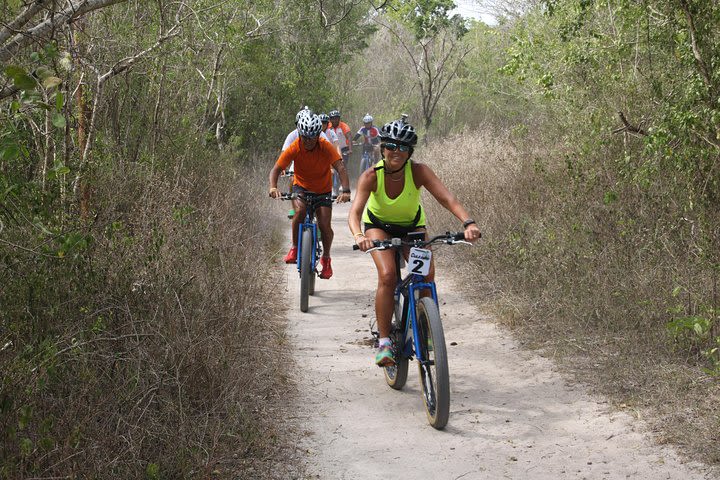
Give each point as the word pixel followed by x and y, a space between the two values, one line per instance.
pixel 326 268
pixel 291 256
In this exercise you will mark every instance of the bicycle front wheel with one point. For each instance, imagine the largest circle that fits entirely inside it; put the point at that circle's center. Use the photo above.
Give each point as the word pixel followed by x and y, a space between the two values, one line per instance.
pixel 362 164
pixel 396 375
pixel 311 283
pixel 434 374
pixel 306 272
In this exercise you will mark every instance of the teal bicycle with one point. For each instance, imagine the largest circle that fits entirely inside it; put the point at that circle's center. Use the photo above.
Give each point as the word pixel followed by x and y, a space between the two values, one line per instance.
pixel 416 329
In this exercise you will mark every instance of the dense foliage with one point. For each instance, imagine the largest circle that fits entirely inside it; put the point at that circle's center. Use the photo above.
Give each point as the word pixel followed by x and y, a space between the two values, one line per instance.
pixel 600 205
pixel 133 154
pixel 131 170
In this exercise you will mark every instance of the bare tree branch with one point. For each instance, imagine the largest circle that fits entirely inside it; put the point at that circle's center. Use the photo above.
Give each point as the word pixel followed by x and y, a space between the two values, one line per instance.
pixel 627 127
pixel 40 32
pixel 432 68
pixel 345 12
pixel 119 67
pixel 702 66
pixel 8 92
pixel 14 26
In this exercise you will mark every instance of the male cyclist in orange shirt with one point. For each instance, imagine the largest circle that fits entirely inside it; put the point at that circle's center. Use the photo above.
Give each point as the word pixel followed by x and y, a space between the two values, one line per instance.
pixel 313 157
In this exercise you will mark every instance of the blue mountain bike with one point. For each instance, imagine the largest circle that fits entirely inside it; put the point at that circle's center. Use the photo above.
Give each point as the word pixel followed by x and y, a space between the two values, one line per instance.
pixel 366 160
pixel 309 245
pixel 416 329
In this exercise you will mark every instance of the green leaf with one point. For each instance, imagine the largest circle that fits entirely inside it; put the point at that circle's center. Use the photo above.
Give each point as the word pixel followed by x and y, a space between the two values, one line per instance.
pixel 20 78
pixel 58 119
pixel 9 152
pixel 43 72
pixel 51 82
pixel 12 71
pixel 25 82
pixel 59 101
pixel 26 446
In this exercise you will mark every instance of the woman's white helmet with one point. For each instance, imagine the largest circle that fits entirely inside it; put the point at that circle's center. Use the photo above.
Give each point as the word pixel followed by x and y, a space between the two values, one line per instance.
pixel 309 126
pixel 399 132
pixel 367 118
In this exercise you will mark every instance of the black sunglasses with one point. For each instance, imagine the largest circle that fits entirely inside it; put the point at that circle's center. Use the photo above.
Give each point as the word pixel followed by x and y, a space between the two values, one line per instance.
pixel 394 146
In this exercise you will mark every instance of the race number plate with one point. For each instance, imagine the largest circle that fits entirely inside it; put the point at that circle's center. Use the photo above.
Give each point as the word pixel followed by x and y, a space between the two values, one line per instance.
pixel 419 261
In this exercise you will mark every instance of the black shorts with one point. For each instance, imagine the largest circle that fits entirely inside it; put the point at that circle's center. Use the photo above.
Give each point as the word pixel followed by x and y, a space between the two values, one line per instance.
pixel 323 203
pixel 395 231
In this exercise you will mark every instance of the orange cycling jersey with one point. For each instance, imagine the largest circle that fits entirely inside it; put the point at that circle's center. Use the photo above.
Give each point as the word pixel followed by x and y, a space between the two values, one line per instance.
pixel 341 130
pixel 312 167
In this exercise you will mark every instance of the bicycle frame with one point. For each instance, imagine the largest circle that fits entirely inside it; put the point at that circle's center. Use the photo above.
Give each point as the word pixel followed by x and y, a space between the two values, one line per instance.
pixel 310 223
pixel 407 288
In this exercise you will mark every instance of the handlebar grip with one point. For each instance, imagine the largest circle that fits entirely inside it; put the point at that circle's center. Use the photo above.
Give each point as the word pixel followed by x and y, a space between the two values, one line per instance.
pixel 458 236
pixel 356 247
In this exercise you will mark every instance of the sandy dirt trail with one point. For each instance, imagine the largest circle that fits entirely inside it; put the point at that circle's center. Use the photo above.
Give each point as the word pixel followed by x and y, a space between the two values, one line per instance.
pixel 511 416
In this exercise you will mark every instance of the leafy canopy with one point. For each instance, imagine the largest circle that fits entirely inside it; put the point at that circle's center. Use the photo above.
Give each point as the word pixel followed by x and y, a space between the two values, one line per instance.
pixel 426 18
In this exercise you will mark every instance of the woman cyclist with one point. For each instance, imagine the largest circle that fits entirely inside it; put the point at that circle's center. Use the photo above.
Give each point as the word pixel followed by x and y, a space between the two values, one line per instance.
pixel 387 203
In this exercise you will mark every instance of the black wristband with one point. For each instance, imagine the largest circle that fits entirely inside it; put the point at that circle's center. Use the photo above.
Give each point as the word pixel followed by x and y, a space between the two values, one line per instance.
pixel 345 190
pixel 468 222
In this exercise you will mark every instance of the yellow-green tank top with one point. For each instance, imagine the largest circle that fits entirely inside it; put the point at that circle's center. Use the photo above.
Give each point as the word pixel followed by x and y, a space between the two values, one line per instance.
pixel 397 211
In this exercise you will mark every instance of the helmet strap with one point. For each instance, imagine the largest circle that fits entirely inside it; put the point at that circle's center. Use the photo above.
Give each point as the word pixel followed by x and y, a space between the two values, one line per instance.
pixel 387 172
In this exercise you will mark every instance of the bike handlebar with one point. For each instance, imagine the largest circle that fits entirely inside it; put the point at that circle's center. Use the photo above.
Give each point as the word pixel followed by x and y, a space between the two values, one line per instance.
pixel 307 196
pixel 447 238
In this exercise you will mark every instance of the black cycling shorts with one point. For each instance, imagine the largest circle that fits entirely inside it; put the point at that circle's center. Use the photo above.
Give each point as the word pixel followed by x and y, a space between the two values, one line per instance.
pixel 395 231
pixel 324 203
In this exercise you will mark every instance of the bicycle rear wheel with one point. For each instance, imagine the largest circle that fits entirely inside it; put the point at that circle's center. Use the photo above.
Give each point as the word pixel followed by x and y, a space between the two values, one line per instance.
pixel 305 268
pixel 396 375
pixel 434 374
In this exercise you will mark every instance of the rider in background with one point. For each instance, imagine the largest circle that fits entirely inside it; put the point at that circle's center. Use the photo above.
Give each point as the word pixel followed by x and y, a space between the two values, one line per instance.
pixel 343 133
pixel 371 137
pixel 329 132
pixel 332 136
pixel 313 157
pixel 387 203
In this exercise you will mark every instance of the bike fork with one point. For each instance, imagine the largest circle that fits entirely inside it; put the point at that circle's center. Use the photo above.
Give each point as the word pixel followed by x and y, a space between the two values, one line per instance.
pixel 417 287
pixel 315 252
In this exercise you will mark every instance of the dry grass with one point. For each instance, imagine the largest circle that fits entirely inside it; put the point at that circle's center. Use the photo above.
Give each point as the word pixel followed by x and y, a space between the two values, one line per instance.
pixel 158 351
pixel 587 282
